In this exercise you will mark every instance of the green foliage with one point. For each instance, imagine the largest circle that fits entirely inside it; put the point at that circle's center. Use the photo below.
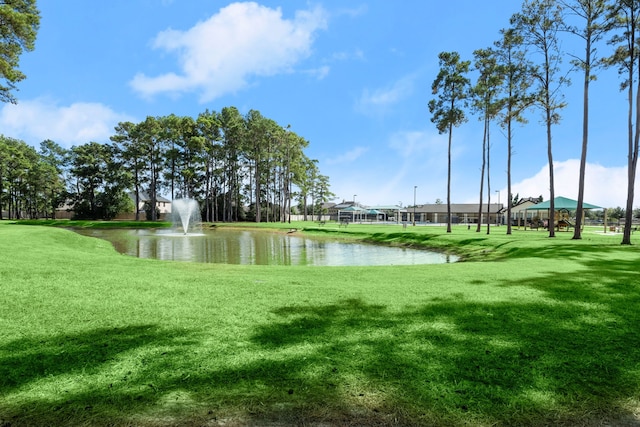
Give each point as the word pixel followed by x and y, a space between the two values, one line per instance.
pixel 616 213
pixel 451 86
pixel 20 22
pixel 31 184
pixel 224 160
pixel 101 181
pixel 539 23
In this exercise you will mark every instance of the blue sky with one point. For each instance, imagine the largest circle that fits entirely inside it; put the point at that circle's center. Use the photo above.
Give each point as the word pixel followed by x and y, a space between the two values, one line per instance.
pixel 352 77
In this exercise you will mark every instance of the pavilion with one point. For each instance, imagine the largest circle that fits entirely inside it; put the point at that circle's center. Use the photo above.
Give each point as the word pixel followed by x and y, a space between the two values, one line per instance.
pixel 562 207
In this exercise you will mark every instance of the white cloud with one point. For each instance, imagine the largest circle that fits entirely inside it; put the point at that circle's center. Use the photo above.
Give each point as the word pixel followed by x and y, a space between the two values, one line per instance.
pixel 412 143
pixel 348 157
pixel 221 54
pixel 320 72
pixel 415 157
pixel 354 12
pixel 604 186
pixel 347 56
pixel 37 120
pixel 377 100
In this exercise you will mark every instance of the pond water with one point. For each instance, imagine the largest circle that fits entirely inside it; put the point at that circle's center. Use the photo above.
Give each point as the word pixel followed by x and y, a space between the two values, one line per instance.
pixel 226 246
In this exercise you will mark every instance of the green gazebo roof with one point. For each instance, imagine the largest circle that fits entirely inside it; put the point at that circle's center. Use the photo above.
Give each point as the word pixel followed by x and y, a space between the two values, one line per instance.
pixel 562 203
pixel 353 209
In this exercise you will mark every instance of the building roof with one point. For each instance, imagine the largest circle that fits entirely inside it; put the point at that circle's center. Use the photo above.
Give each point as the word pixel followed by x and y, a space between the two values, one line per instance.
pixel 387 207
pixel 562 203
pixel 456 208
pixel 144 197
pixel 353 209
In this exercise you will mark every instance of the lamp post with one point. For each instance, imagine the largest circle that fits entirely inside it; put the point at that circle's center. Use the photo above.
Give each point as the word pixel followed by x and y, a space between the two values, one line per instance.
pixel 354 205
pixel 497 221
pixel 414 204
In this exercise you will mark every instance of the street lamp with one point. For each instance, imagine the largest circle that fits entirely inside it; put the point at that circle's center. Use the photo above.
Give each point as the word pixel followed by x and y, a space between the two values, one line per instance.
pixel 354 199
pixel 414 204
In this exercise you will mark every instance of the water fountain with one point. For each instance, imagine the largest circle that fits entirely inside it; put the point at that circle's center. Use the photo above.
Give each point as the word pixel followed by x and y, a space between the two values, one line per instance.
pixel 186 216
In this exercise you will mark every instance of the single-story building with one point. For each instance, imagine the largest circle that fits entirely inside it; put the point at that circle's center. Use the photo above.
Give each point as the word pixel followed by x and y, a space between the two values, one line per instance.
pixel 461 213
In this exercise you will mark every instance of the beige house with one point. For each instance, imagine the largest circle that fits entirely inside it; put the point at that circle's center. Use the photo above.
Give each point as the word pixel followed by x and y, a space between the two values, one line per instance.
pixel 163 206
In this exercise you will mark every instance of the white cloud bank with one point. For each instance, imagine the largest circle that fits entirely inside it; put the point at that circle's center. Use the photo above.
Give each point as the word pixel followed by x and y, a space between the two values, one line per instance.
pixel 348 157
pixel 378 100
pixel 604 186
pixel 79 123
pixel 218 56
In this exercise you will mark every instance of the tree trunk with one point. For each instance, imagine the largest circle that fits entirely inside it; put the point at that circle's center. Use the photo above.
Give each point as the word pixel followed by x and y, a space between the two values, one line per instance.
pixel 631 158
pixel 484 160
pixel 449 182
pixel 577 232
pixel 509 197
pixel 137 200
pixel 631 172
pixel 552 212
pixel 488 179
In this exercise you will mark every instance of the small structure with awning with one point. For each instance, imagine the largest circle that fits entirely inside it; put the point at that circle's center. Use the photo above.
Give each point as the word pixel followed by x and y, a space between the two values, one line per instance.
pixel 352 213
pixel 562 207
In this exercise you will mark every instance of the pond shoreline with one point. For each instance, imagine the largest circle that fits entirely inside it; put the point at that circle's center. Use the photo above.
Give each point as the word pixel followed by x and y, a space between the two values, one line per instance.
pixel 244 245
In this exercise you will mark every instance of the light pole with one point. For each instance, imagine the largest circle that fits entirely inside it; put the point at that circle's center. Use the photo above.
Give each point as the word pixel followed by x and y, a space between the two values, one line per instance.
pixel 354 205
pixel 414 204
pixel 497 221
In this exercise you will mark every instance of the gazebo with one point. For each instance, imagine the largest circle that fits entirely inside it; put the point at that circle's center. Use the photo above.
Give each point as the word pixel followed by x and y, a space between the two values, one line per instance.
pixel 353 211
pixel 374 213
pixel 562 207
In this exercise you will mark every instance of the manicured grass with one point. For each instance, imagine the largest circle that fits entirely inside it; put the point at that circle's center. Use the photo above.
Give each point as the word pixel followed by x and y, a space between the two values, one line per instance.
pixel 527 331
pixel 81 223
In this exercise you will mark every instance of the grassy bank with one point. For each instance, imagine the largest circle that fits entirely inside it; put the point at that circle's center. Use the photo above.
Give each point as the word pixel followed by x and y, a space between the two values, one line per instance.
pixel 72 223
pixel 527 331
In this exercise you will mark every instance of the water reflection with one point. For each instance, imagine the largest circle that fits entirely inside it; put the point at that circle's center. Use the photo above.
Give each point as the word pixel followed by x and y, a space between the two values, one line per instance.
pixel 260 248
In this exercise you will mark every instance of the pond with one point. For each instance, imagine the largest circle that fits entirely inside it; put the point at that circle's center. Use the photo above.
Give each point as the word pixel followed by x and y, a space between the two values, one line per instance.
pixel 225 246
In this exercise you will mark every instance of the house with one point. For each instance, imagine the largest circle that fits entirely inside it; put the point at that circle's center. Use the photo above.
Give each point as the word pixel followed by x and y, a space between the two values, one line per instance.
pixel 163 205
pixel 436 213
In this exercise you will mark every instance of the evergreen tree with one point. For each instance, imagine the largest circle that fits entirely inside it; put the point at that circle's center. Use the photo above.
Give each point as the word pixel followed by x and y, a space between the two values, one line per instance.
pixel 451 85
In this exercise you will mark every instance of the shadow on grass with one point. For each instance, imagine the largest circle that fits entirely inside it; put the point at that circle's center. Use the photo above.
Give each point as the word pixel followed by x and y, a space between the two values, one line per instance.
pixel 568 357
pixel 29 359
pixel 456 361
pixel 61 363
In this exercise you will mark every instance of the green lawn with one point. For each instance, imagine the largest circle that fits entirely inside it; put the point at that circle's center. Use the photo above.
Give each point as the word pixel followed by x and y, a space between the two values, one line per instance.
pixel 526 331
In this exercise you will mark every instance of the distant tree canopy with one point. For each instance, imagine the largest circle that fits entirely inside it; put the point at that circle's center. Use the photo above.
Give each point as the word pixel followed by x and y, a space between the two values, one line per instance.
pixel 20 20
pixel 238 167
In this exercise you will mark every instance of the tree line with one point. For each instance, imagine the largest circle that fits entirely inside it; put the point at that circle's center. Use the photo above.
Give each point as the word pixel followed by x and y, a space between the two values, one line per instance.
pixel 239 167
pixel 523 70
